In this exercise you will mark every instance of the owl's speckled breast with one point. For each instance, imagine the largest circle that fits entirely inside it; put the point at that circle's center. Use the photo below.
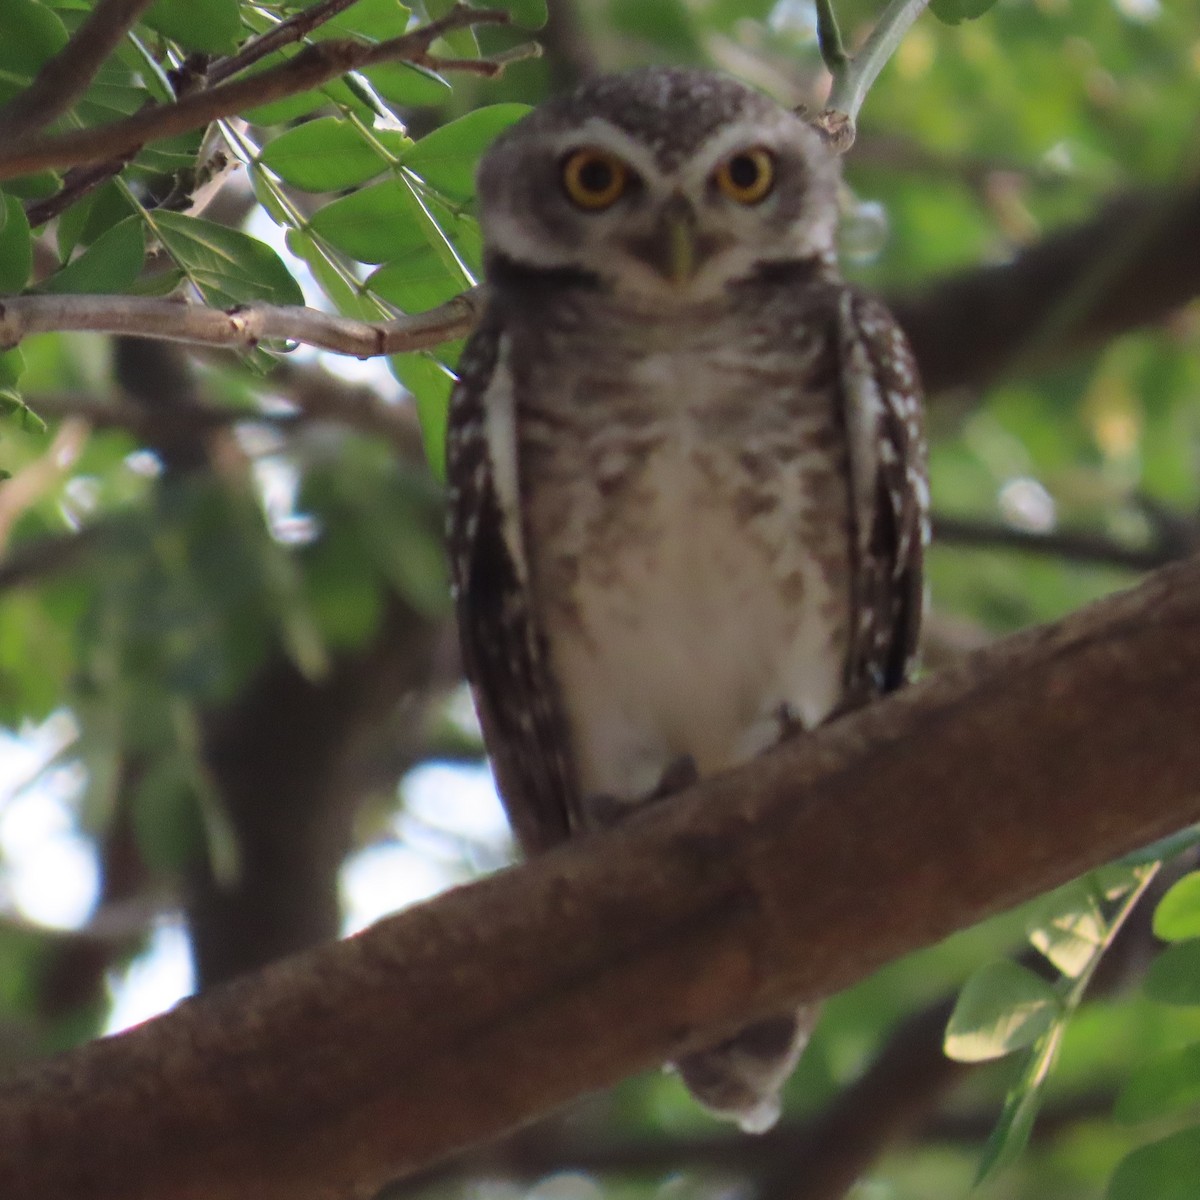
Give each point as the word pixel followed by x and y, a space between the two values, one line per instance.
pixel 683 485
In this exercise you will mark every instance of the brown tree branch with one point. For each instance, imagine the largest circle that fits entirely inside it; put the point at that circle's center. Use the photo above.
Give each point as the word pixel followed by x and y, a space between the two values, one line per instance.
pixel 1078 546
pixel 821 1157
pixel 278 755
pixel 244 327
pixel 64 78
pixel 311 67
pixel 298 25
pixel 327 1074
pixel 1133 264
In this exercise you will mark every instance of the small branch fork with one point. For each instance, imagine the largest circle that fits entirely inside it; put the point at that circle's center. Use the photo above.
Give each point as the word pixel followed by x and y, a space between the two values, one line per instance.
pixel 311 67
pixel 236 328
pixel 854 74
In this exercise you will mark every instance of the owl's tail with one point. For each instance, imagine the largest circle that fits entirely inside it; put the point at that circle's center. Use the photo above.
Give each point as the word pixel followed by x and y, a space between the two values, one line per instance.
pixel 741 1078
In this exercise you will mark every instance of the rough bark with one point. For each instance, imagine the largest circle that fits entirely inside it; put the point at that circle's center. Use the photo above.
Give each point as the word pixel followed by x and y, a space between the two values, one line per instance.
pixel 333 1071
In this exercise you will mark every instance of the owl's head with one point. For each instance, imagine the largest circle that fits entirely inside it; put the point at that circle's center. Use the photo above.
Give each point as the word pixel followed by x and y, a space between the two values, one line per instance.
pixel 666 184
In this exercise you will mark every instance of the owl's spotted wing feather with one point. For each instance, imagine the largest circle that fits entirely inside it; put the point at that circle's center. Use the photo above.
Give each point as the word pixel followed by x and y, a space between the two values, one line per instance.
pixel 504 652
pixel 881 396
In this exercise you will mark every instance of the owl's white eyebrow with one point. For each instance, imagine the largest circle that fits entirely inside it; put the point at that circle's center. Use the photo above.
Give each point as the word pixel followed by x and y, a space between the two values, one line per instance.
pixel 596 131
pixel 723 143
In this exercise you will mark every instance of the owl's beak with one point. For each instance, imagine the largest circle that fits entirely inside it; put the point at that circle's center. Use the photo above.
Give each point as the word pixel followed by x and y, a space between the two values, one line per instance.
pixel 673 248
pixel 678 232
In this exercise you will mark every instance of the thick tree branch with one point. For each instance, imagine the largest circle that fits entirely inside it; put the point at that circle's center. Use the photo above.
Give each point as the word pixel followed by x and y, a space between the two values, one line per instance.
pixel 1133 264
pixel 821 1157
pixel 786 880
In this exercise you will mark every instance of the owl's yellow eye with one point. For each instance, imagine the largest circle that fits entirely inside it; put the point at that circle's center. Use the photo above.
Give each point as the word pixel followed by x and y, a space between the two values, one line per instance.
pixel 594 179
pixel 748 176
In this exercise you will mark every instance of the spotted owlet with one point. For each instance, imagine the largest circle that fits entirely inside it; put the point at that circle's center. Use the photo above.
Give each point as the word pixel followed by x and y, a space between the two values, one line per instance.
pixel 686 470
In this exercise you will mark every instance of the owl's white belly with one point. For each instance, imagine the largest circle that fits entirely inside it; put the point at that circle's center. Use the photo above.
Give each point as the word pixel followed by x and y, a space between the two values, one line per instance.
pixel 682 638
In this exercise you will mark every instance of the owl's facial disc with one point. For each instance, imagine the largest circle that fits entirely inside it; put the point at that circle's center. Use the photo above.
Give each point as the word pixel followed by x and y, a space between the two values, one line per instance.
pixel 658 205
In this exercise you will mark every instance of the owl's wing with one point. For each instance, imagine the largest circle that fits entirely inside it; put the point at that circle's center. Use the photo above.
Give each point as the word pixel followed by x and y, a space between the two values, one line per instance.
pixel 889 494
pixel 504 652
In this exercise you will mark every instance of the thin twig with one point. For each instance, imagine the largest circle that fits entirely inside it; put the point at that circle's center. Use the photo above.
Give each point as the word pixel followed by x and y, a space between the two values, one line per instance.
pixel 313 66
pixel 236 328
pixel 829 38
pixel 853 75
pixel 1072 546
pixel 65 77
pixel 77 183
pixel 297 26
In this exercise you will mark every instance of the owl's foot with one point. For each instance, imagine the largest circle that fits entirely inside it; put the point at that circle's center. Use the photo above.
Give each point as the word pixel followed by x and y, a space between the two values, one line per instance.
pixel 741 1078
pixel 605 810
pixel 681 773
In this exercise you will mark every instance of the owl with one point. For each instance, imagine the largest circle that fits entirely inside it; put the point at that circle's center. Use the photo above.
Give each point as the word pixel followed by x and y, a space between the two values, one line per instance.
pixel 687 493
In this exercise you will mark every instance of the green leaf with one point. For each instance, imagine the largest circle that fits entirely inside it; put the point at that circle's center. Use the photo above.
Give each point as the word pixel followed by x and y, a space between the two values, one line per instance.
pixel 228 267
pixel 1174 976
pixel 342 588
pixel 407 85
pixel 1177 916
pixel 346 297
pixel 208 26
pixel 462 42
pixel 436 234
pixel 109 206
pixel 287 110
pixel 430 384
pixel 446 158
pixel 1164 1170
pixel 38 186
pixel 953 12
pixel 329 154
pixel 416 281
pixel 370 20
pixel 32 34
pixel 166 818
pixel 1003 1007
pixel 1011 1133
pixel 1160 1086
pixel 1072 935
pixel 110 264
pixel 16 247
pixel 374 225
pixel 1165 848
pixel 14 408
pixel 413 558
pixel 12 367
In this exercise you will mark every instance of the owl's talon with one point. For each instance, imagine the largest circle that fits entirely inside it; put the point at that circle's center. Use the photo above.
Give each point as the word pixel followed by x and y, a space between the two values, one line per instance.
pixel 605 810
pixel 680 773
